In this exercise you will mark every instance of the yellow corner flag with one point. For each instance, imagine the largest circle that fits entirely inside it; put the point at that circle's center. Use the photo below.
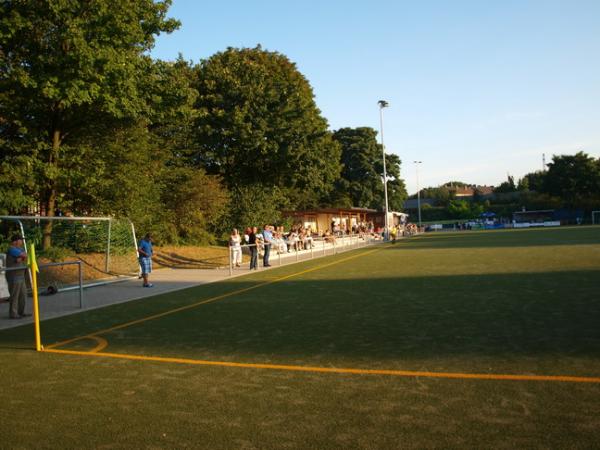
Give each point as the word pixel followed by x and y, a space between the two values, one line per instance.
pixel 31 259
pixel 34 269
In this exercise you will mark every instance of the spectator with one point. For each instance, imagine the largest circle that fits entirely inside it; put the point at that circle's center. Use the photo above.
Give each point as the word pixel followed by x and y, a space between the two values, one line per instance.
pixel 280 243
pixel 16 278
pixel 236 248
pixel 145 252
pixel 293 239
pixel 267 242
pixel 253 247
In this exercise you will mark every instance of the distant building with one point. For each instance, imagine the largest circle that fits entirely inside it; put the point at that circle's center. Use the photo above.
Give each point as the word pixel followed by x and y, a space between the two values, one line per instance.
pixel 413 203
pixel 394 218
pixel 469 190
pixel 320 220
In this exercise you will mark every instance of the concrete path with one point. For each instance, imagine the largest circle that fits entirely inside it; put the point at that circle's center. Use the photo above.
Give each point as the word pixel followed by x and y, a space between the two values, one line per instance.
pixel 164 280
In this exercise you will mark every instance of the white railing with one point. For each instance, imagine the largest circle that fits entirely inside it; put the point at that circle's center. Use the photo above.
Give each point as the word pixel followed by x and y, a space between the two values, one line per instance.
pixel 302 249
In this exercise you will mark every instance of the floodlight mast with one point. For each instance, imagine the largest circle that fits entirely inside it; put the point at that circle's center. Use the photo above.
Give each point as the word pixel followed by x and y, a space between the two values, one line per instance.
pixel 383 104
pixel 418 191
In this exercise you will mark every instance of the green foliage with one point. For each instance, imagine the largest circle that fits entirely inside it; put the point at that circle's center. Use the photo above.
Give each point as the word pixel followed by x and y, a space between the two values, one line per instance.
pixel 55 253
pixel 523 184
pixel 255 205
pixel 258 124
pixel 573 177
pixel 507 186
pixel 90 124
pixel 456 209
pixel 441 195
pixel 460 209
pixel 455 184
pixel 194 203
pixel 360 183
pixel 361 180
pixel 535 180
pixel 72 71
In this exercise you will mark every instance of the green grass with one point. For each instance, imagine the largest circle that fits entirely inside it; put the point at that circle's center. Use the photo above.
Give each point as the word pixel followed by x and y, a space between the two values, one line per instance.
pixel 493 302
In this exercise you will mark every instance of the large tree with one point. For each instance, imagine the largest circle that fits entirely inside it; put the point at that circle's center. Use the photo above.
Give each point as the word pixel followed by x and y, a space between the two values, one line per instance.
pixel 71 70
pixel 572 177
pixel 258 125
pixel 361 180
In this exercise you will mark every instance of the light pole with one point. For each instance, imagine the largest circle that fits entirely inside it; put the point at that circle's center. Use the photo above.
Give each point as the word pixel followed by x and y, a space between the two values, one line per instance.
pixel 418 191
pixel 383 104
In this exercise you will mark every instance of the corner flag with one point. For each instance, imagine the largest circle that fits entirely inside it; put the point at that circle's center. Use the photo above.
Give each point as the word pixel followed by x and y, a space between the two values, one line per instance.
pixel 34 269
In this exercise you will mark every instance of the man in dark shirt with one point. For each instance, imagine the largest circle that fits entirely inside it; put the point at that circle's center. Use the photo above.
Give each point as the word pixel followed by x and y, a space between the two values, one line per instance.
pixel 253 249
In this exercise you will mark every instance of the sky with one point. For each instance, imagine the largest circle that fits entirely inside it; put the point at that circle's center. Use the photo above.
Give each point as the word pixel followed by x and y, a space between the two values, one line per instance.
pixel 476 89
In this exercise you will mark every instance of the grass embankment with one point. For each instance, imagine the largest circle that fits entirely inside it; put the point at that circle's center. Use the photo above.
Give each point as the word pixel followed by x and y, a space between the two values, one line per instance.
pixel 94 264
pixel 505 302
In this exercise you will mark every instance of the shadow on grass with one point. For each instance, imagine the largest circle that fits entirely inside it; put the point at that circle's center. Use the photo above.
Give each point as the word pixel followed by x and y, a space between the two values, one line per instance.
pixel 389 318
pixel 505 238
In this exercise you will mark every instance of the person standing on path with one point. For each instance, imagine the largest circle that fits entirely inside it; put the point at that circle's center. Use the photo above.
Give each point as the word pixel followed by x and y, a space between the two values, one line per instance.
pixel 268 240
pixel 145 258
pixel 252 247
pixel 16 278
pixel 236 247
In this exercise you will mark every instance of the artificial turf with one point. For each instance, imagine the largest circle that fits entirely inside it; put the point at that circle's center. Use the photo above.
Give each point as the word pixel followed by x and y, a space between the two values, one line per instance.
pixel 497 302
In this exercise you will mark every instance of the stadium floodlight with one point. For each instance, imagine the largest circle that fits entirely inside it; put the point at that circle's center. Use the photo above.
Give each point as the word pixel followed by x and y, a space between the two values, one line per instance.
pixel 383 104
pixel 418 191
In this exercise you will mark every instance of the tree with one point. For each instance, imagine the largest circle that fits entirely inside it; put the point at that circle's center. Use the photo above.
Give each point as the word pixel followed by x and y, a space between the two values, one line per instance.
pixel 193 203
pixel 361 180
pixel 462 209
pixel 534 181
pixel 253 205
pixel 71 70
pixel 572 177
pixel 395 185
pixel 506 186
pixel 258 124
pixel 523 185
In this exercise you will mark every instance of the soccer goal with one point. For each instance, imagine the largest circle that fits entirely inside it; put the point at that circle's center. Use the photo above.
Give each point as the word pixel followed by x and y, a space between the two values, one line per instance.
pixel 105 246
pixel 595 217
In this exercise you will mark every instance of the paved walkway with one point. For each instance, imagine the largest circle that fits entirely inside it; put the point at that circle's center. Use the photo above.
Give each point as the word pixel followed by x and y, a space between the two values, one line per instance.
pixel 164 280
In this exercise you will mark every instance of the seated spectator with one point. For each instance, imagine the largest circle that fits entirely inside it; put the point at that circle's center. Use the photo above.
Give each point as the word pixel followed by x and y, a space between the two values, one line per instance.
pixel 307 239
pixel 279 242
pixel 293 240
pixel 328 237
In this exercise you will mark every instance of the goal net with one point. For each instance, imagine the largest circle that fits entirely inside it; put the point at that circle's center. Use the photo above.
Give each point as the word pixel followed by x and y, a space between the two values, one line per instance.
pixel 595 217
pixel 105 246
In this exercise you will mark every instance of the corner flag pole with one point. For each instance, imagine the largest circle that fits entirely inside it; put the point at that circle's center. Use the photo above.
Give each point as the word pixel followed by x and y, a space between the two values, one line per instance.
pixel 34 269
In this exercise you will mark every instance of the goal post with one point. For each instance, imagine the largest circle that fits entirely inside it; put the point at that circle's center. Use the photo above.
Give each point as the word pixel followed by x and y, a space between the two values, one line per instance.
pixel 105 246
pixel 596 217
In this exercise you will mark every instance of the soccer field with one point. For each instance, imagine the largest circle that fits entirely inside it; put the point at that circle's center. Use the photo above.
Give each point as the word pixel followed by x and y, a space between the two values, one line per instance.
pixel 474 339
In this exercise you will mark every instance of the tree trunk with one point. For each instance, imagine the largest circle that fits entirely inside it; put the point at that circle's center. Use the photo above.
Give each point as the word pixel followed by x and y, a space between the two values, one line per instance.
pixel 51 193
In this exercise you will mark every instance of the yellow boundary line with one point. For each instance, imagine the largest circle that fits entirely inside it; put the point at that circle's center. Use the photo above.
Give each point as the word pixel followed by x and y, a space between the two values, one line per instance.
pixel 204 302
pixel 103 343
pixel 398 373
